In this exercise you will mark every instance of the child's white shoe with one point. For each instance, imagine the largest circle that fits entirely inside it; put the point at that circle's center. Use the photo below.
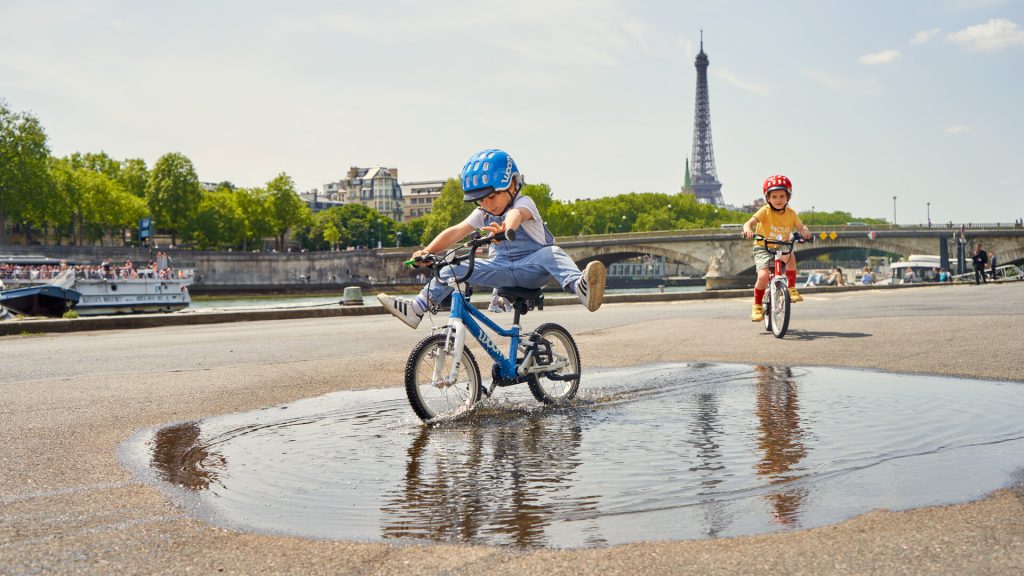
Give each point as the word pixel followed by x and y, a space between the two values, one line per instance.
pixel 590 286
pixel 405 309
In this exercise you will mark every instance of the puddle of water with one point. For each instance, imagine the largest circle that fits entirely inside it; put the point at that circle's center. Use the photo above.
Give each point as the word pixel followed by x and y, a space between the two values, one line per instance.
pixel 680 451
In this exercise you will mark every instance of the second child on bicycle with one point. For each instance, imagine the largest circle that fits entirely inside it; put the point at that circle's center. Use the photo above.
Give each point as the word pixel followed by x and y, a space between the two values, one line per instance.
pixel 492 180
pixel 775 220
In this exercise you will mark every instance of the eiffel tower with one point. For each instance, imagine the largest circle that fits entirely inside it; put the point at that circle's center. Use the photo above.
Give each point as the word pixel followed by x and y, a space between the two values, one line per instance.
pixel 704 182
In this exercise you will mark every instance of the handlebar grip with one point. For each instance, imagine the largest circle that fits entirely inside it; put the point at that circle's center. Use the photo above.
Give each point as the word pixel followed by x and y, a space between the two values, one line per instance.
pixel 509 235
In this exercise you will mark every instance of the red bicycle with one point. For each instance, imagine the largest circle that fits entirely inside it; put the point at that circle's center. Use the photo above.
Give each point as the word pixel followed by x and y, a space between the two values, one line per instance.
pixel 776 302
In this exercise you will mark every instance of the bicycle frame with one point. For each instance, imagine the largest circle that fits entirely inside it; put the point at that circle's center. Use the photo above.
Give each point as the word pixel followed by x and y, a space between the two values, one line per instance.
pixel 463 319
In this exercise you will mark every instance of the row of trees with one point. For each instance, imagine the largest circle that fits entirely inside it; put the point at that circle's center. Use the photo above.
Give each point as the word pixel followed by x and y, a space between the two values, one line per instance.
pixel 92 198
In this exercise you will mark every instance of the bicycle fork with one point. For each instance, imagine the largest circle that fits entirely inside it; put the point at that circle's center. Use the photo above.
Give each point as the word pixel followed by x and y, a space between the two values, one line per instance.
pixel 455 339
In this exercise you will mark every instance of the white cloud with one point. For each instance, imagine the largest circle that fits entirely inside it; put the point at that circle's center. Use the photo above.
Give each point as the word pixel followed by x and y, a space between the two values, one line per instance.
pixel 925 36
pixel 995 34
pixel 729 78
pixel 883 57
pixel 957 129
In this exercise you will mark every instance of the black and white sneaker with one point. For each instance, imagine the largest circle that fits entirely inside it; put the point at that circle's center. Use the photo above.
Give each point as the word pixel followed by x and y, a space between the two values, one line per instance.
pixel 405 309
pixel 590 287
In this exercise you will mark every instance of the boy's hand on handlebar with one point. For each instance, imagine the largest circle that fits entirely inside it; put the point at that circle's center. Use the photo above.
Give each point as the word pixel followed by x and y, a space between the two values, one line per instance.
pixel 495 228
pixel 420 258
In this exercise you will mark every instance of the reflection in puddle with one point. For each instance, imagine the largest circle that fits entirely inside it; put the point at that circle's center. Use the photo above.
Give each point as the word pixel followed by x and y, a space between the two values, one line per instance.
pixel 650 453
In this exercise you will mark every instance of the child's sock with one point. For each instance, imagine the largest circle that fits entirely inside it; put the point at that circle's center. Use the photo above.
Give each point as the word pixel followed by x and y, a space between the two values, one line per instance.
pixel 758 296
pixel 791 278
pixel 420 304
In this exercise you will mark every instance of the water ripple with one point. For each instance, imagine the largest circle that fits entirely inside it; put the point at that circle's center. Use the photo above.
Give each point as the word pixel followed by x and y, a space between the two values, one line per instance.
pixel 671 451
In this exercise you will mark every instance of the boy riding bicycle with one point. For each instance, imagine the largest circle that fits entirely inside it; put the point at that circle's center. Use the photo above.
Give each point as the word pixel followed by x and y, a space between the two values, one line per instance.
pixel 775 220
pixel 492 180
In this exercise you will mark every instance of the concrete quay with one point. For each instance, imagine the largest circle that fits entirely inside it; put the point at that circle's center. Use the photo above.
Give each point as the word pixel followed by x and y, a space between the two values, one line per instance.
pixel 192 316
pixel 69 400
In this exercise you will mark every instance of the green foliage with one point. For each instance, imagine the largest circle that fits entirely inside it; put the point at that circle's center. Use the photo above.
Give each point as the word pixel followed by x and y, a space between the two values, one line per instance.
pixel 836 219
pixel 284 207
pixel 95 205
pixel 25 184
pixel 635 212
pixel 218 222
pixel 173 193
pixel 254 208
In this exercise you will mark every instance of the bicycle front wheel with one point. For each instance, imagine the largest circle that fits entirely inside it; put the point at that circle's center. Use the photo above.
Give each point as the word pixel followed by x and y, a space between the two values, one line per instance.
pixel 556 346
pixel 766 308
pixel 432 391
pixel 780 309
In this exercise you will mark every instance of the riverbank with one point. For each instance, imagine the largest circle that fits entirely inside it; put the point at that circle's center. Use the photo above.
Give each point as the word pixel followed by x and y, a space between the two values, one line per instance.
pixel 70 400
pixel 191 317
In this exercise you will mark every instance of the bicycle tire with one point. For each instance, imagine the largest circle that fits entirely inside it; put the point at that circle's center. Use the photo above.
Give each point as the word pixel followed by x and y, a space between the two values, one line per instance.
pixel 561 343
pixel 780 309
pixel 766 308
pixel 432 399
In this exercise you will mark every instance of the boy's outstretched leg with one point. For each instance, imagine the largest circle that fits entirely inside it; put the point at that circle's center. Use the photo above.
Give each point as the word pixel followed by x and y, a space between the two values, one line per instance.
pixel 590 286
pixel 408 310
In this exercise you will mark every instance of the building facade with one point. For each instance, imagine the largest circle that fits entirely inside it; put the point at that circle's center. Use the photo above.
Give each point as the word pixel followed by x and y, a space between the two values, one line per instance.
pixel 419 197
pixel 376 187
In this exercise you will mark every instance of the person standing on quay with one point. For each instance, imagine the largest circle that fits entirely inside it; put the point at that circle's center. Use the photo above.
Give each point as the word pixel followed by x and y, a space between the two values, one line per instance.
pixel 979 259
pixel 992 263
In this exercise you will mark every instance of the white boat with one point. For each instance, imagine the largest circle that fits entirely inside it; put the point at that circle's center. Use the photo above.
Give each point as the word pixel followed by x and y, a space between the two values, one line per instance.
pixel 916 268
pixel 146 293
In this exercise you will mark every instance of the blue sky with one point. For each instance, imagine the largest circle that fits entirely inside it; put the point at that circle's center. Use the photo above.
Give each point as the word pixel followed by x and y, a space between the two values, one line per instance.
pixel 856 101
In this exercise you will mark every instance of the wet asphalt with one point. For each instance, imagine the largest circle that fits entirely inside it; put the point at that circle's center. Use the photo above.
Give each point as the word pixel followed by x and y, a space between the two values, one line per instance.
pixel 67 401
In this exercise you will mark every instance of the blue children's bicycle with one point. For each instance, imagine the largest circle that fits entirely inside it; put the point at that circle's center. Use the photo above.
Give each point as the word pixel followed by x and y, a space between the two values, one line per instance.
pixel 442 376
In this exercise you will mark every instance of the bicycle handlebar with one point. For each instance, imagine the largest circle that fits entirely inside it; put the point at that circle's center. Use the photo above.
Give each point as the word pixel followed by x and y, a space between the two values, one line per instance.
pixel 451 257
pixel 797 239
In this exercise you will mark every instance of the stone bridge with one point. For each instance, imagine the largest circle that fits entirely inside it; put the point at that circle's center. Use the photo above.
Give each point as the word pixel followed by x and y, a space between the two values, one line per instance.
pixel 725 261
pixel 722 258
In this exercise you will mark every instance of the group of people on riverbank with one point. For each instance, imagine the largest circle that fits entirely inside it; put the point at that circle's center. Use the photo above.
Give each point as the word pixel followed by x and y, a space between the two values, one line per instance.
pixel 33 273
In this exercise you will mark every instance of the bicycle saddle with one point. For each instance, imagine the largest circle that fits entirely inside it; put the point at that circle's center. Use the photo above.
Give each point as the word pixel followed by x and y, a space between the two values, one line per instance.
pixel 523 299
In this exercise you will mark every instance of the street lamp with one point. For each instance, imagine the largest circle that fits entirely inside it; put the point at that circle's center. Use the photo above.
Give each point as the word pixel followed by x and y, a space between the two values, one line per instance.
pixel 893 210
pixel 379 239
pixel 398 239
pixel 623 223
pixel 929 205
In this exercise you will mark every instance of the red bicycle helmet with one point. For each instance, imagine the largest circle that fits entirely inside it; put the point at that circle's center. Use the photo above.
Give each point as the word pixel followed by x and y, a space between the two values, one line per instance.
pixel 778 182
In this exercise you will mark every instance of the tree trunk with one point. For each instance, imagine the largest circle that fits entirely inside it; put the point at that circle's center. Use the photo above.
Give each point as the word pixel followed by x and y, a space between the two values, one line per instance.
pixel 3 226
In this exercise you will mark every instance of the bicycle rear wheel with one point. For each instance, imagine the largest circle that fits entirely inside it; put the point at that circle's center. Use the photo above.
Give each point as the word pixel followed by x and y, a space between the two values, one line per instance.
pixel 556 345
pixel 428 384
pixel 780 309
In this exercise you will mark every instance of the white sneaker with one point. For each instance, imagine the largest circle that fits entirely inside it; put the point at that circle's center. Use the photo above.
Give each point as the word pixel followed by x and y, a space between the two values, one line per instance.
pixel 405 309
pixel 590 287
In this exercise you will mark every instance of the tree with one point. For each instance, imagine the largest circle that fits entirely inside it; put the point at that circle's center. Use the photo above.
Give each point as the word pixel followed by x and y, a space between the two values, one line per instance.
pixel 134 176
pixel 25 182
pixel 253 205
pixel 218 221
pixel 285 207
pixel 173 193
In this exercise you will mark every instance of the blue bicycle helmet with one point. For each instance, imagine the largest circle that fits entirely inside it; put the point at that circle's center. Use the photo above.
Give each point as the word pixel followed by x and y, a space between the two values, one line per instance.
pixel 486 172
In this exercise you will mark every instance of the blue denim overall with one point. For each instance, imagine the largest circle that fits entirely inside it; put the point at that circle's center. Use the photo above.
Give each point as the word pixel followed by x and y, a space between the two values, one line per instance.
pixel 523 262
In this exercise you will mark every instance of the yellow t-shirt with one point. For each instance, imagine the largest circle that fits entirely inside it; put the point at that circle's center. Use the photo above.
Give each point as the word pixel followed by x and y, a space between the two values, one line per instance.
pixel 776 225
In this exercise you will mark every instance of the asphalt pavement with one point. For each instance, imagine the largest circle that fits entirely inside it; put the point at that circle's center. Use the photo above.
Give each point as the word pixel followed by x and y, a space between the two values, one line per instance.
pixel 67 505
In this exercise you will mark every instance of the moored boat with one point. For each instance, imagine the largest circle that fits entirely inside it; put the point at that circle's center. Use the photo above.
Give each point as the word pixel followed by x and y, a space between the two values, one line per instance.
pixel 43 300
pixel 146 293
